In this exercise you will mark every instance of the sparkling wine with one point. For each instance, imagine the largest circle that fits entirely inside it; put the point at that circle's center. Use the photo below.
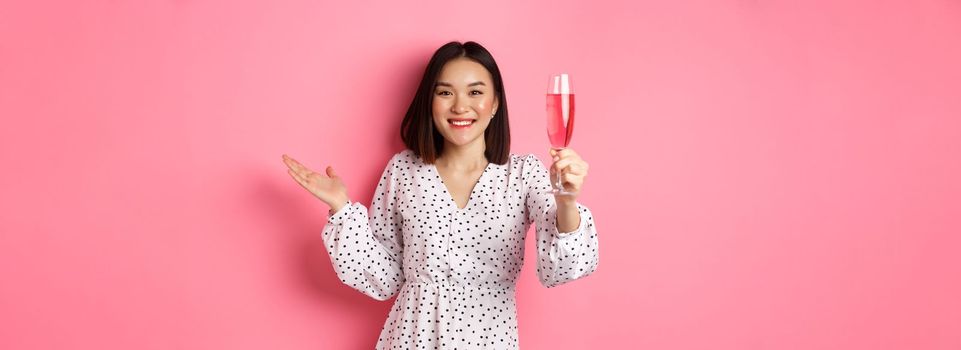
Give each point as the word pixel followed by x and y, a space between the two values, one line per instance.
pixel 560 119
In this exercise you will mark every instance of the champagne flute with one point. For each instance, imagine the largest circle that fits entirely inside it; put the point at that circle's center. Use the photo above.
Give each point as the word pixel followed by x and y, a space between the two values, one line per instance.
pixel 560 119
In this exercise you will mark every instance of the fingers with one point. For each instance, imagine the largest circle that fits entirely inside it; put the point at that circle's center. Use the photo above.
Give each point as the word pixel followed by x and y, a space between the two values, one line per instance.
pixel 302 181
pixel 578 169
pixel 293 164
pixel 570 164
pixel 572 182
pixel 572 168
pixel 563 153
pixel 563 163
pixel 298 168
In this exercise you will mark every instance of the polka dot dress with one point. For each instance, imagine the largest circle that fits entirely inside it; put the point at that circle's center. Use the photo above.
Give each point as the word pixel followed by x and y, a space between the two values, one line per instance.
pixel 454 270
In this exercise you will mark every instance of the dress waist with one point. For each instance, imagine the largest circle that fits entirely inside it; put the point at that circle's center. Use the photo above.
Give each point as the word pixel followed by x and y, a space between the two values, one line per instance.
pixel 495 285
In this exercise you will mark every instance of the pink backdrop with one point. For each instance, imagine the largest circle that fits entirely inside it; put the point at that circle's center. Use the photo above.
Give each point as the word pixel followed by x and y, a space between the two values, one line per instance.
pixel 765 174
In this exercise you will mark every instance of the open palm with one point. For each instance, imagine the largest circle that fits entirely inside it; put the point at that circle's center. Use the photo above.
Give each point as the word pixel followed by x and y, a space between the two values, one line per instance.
pixel 329 188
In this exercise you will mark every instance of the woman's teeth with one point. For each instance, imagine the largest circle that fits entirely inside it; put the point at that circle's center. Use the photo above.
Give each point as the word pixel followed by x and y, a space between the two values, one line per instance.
pixel 463 123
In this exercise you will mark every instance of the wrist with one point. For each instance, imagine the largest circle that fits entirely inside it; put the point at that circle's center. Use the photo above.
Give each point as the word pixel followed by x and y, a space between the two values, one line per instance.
pixel 339 205
pixel 565 201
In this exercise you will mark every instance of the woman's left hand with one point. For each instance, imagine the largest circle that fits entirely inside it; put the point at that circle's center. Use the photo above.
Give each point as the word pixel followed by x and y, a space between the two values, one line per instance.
pixel 573 170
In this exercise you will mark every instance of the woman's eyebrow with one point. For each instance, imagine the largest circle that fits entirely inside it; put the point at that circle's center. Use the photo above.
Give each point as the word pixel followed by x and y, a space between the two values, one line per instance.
pixel 444 83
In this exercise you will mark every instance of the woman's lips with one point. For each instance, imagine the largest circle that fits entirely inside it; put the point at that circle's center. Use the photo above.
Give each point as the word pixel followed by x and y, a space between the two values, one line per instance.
pixel 461 121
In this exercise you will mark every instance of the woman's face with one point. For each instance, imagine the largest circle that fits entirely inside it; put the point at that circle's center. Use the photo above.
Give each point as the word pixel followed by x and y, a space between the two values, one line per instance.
pixel 464 92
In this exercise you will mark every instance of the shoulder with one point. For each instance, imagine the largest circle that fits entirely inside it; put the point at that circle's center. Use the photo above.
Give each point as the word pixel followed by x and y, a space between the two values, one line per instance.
pixel 405 156
pixel 525 160
pixel 405 159
pixel 526 164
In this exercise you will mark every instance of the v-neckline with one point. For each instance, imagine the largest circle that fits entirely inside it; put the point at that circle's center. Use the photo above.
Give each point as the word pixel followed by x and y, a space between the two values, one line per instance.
pixel 470 197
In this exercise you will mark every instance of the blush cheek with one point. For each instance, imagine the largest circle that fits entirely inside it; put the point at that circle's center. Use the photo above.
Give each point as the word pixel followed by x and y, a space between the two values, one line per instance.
pixel 484 108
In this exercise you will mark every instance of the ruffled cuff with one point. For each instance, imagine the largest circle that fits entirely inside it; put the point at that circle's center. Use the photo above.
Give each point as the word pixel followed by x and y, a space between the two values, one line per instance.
pixel 340 215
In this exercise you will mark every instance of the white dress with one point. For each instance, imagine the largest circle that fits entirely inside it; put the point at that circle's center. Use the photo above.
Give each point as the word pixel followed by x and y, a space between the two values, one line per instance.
pixel 454 270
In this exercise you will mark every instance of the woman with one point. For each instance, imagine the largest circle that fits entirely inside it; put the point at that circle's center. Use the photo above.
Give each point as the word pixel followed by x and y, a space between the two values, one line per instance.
pixel 449 216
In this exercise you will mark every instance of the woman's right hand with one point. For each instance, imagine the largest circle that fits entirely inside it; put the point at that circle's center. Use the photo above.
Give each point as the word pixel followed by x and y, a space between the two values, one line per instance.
pixel 329 189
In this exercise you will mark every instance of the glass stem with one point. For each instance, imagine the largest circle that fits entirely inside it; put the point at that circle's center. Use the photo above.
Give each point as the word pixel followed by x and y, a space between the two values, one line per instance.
pixel 558 183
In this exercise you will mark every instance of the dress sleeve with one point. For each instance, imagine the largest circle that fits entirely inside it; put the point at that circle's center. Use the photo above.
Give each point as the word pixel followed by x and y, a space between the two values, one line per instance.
pixel 367 253
pixel 561 256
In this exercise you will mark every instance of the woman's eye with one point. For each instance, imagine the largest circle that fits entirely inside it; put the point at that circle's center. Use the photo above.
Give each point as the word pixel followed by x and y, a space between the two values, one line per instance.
pixel 443 92
pixel 478 92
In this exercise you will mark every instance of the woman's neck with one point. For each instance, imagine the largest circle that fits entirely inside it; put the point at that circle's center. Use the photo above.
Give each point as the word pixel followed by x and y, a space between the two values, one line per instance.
pixel 463 158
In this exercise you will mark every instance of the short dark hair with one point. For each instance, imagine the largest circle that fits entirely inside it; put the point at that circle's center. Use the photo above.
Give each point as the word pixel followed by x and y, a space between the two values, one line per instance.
pixel 418 131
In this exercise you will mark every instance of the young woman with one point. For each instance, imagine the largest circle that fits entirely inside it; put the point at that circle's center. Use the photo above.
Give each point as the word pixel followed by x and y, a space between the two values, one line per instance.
pixel 447 223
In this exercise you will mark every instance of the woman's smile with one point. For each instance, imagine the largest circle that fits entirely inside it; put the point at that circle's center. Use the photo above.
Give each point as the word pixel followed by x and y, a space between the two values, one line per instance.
pixel 461 123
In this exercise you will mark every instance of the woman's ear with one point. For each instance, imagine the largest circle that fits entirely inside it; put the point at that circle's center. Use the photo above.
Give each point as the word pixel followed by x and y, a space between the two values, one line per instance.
pixel 494 106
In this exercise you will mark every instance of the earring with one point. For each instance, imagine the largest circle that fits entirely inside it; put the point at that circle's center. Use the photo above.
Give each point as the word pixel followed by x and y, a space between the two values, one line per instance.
pixel 492 115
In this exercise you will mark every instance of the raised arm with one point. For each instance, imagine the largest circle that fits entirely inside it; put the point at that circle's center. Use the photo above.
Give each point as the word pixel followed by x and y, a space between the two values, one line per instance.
pixel 561 256
pixel 366 247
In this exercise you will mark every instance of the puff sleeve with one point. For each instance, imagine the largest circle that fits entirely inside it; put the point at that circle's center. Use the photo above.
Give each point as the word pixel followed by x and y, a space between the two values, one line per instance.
pixel 366 247
pixel 561 256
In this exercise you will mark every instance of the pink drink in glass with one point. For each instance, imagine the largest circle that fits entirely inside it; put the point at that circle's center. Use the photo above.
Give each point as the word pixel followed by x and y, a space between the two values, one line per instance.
pixel 560 119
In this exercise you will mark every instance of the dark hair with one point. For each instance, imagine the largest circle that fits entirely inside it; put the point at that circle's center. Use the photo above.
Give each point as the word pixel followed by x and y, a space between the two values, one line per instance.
pixel 417 129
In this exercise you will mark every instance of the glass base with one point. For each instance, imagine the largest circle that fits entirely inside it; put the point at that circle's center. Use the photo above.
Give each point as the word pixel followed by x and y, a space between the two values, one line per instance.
pixel 558 188
pixel 558 192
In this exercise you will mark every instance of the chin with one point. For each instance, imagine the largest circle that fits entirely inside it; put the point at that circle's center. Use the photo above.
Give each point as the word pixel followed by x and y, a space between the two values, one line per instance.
pixel 461 142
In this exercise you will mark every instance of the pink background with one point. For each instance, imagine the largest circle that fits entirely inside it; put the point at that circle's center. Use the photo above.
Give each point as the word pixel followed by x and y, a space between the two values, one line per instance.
pixel 765 174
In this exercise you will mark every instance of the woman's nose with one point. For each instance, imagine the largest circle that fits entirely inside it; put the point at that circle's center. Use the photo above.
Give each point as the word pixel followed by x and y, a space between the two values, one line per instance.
pixel 460 106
